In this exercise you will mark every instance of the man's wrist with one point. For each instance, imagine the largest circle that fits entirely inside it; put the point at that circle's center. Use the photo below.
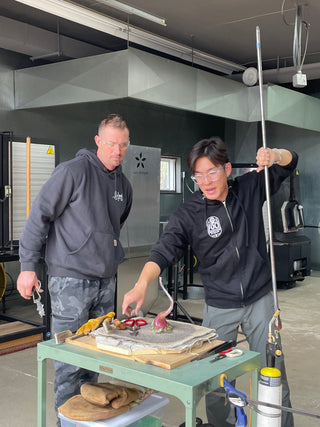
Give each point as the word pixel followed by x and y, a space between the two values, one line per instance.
pixel 280 155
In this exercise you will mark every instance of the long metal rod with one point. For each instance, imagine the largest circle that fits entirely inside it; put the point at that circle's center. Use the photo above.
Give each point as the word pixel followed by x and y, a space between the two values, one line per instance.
pixel 254 403
pixel 266 171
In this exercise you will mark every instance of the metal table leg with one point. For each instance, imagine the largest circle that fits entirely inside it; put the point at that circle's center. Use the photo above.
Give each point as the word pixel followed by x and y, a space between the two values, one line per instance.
pixel 42 391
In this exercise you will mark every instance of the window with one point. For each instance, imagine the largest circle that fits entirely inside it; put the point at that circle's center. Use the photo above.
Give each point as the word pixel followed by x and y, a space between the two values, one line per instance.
pixel 170 174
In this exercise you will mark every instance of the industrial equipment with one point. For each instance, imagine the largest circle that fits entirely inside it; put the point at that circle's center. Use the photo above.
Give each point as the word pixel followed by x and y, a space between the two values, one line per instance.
pixel 141 166
pixel 14 188
pixel 292 249
pixel 24 168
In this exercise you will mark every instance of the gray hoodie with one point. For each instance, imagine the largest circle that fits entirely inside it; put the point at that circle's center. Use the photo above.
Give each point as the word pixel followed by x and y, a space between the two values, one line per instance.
pixel 77 216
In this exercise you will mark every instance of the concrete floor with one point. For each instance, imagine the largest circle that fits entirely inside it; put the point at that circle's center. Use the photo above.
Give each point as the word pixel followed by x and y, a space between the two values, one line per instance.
pixel 300 316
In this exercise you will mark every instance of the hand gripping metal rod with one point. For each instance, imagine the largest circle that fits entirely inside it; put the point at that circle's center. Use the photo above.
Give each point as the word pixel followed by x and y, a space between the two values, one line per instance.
pixel 266 171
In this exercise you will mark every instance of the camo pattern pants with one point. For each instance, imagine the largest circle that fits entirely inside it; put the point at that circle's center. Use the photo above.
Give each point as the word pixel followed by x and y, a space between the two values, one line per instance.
pixel 73 303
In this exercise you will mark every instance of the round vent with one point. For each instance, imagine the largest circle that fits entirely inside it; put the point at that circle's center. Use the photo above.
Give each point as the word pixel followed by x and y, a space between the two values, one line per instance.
pixel 250 76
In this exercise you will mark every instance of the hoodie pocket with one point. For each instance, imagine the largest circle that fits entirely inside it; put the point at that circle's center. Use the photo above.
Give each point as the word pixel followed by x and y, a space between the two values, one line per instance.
pixel 98 256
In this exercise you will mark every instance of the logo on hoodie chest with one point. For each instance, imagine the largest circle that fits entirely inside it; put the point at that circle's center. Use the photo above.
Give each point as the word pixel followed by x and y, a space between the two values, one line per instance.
pixel 213 227
pixel 117 197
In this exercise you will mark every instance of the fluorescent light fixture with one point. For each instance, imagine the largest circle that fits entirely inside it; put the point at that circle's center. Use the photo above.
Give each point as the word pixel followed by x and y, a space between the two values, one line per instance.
pixel 133 11
pixel 99 22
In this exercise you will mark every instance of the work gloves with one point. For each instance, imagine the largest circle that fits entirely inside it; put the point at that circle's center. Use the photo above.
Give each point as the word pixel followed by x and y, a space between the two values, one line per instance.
pixel 99 401
pixel 93 324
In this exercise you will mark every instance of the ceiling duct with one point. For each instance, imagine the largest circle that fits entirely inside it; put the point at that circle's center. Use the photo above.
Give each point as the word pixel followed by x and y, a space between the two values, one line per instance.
pixel 139 75
pixel 73 12
pixel 284 75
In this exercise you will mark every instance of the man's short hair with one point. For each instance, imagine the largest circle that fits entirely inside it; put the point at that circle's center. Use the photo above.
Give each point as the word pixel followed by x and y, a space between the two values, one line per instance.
pixel 213 148
pixel 114 120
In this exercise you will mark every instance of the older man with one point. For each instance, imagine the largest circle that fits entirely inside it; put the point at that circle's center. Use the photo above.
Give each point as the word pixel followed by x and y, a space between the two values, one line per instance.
pixel 77 216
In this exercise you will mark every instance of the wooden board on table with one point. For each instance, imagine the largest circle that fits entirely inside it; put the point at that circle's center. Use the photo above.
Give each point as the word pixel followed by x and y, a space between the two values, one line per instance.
pixel 167 361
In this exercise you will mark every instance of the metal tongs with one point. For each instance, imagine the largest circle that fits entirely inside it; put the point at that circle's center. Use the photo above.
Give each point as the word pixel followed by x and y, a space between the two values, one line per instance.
pixel 134 325
pixel 37 300
pixel 224 346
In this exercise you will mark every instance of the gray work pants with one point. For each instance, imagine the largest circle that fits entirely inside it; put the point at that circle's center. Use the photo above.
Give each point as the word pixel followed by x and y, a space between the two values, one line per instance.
pixel 254 321
pixel 73 303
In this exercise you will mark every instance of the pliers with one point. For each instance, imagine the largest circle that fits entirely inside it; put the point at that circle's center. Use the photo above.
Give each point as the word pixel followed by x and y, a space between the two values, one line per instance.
pixel 227 353
pixel 134 325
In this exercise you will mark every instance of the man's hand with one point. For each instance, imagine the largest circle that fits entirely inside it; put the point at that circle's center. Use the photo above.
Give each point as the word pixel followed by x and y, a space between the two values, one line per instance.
pixel 265 157
pixel 135 295
pixel 270 156
pixel 149 273
pixel 26 283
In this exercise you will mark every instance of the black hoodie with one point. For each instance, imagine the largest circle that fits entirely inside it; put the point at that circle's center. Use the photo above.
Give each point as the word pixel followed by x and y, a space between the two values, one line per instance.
pixel 228 239
pixel 78 214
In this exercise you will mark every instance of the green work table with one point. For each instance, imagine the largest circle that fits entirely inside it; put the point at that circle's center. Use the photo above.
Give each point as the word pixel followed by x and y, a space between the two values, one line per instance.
pixel 188 382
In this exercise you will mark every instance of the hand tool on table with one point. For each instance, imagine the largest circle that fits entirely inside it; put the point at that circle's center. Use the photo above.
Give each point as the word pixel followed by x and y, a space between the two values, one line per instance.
pixel 224 346
pixel 134 324
pixel 85 329
pixel 37 300
pixel 61 337
pixel 227 353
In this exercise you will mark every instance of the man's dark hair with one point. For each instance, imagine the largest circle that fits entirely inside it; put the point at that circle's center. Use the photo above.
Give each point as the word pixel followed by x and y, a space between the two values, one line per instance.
pixel 114 120
pixel 213 148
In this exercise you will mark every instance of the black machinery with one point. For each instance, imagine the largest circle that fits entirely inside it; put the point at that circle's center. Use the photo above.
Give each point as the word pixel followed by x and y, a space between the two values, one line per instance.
pixel 292 249
pixel 13 203
pixel 6 224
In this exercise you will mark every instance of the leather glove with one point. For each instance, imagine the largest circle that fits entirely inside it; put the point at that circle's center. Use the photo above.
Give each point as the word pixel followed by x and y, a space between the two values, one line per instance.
pixel 93 324
pixel 78 408
pixel 103 394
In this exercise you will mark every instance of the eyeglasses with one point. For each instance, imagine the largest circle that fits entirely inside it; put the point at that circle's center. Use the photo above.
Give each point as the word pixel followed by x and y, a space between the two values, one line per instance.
pixel 122 145
pixel 211 176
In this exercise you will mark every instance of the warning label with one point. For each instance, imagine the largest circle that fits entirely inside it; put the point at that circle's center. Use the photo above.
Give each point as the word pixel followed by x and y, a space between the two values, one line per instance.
pixel 50 150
